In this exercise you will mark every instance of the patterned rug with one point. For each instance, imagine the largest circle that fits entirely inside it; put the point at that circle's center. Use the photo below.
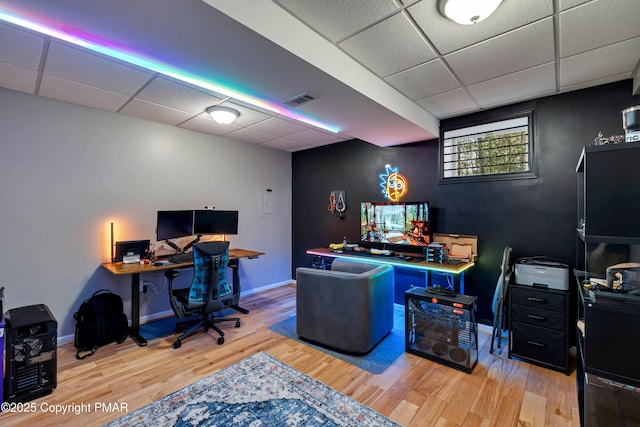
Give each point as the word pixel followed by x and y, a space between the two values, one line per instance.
pixel 259 391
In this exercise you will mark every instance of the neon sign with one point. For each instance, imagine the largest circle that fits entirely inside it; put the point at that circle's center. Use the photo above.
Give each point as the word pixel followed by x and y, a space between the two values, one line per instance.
pixel 394 185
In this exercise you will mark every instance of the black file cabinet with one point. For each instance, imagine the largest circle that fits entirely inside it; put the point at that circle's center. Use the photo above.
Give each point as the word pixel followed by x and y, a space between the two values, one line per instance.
pixel 539 321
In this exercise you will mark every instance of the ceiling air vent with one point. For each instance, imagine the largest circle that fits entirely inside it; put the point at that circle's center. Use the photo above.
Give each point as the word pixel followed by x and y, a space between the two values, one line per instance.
pixel 298 100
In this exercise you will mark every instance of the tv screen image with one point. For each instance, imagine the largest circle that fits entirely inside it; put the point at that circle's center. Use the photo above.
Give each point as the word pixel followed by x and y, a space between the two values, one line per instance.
pixel 174 224
pixel 400 224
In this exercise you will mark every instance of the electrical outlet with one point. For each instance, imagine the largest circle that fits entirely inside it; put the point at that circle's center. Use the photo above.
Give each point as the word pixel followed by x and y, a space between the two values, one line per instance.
pixel 143 289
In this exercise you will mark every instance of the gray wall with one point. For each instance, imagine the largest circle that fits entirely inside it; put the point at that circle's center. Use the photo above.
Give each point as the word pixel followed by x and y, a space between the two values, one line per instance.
pixel 67 171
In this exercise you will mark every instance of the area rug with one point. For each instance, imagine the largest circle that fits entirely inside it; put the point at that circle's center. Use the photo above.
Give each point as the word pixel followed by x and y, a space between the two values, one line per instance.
pixel 376 361
pixel 259 391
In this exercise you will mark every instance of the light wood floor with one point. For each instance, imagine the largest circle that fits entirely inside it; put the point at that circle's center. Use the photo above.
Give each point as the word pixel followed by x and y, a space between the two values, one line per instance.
pixel 413 391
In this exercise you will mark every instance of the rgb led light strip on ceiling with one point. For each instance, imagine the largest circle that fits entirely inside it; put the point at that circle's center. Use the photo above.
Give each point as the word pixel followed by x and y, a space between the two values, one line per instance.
pixel 157 67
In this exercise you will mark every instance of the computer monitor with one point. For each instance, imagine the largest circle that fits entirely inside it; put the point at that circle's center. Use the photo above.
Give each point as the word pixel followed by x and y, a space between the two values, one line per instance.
pixel 402 226
pixel 174 224
pixel 215 222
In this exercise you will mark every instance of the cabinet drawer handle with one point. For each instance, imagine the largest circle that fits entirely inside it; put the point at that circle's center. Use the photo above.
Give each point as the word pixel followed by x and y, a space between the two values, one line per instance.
pixel 533 316
pixel 535 299
pixel 537 344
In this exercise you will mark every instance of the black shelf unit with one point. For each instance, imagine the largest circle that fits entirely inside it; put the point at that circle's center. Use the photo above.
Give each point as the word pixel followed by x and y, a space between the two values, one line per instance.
pixel 608 232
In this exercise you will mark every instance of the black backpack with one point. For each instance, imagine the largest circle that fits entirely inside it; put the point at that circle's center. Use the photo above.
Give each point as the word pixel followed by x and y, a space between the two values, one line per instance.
pixel 100 321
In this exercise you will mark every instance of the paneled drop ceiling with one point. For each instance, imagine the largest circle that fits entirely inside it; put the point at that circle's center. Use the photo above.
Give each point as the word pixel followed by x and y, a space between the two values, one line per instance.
pixel 383 71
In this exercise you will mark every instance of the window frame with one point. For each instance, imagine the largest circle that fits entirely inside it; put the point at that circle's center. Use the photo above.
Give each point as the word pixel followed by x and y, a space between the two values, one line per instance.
pixel 488 119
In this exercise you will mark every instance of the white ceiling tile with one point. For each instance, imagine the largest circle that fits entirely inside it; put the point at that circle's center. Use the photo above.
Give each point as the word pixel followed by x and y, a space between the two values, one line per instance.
pixel 155 113
pixel 249 135
pixel 248 116
pixel 314 137
pixel 516 50
pixel 424 80
pixel 16 78
pixel 448 36
pixel 64 90
pixel 377 47
pixel 286 144
pixel 597 82
pixel 278 127
pixel 20 48
pixel 568 4
pixel 339 18
pixel 170 93
pixel 82 66
pixel 607 61
pixel 448 104
pixel 533 82
pixel 205 124
pixel 583 28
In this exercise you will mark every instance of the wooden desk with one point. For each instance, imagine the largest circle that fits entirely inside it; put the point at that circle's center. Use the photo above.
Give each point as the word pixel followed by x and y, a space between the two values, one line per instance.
pixel 119 269
pixel 418 262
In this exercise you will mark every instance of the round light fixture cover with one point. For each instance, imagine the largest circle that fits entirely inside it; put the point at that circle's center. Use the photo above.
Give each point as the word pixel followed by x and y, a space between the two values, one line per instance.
pixel 223 115
pixel 468 12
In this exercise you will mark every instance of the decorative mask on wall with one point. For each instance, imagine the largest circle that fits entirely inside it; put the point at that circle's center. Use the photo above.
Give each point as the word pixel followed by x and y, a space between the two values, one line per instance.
pixel 394 185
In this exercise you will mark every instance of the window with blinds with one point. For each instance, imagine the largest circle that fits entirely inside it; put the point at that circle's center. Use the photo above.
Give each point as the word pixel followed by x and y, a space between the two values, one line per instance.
pixel 499 149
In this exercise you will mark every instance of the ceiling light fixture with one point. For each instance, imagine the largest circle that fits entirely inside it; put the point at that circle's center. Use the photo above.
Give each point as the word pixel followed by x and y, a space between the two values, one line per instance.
pixel 121 54
pixel 468 12
pixel 223 115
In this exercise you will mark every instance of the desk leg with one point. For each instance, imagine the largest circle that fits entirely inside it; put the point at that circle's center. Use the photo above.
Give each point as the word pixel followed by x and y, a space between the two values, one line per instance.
pixel 134 331
pixel 234 265
pixel 457 287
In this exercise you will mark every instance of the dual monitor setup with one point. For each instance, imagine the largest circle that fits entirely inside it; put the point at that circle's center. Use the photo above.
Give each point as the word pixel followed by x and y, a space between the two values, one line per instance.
pixel 176 224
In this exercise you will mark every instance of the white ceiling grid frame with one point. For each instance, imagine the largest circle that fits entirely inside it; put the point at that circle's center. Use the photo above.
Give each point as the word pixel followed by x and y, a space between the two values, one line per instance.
pixel 533 46
pixel 279 26
pixel 339 19
pixel 446 36
pixel 377 47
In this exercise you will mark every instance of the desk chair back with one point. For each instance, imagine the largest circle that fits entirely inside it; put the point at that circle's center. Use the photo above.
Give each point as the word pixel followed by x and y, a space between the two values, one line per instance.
pixel 209 284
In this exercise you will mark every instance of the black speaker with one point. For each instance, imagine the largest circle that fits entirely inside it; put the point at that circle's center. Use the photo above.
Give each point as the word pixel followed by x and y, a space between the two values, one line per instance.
pixel 30 353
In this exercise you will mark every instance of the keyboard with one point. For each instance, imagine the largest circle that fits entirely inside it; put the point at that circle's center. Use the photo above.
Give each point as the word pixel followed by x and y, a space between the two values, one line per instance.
pixel 181 258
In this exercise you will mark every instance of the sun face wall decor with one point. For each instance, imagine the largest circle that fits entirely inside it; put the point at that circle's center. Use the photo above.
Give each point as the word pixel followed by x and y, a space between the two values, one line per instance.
pixel 394 185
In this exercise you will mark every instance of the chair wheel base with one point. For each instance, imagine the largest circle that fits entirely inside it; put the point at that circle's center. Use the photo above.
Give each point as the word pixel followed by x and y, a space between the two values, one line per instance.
pixel 177 344
pixel 221 340
pixel 237 323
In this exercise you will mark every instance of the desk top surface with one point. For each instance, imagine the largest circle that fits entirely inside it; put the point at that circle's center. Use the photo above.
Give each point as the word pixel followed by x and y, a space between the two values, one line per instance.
pixel 122 268
pixel 417 262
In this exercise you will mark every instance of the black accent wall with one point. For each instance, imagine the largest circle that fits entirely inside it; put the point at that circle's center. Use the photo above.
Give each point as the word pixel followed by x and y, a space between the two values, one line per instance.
pixel 537 217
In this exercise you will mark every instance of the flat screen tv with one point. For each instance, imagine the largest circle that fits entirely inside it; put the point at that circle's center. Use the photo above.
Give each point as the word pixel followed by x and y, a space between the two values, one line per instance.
pixel 215 222
pixel 399 226
pixel 174 224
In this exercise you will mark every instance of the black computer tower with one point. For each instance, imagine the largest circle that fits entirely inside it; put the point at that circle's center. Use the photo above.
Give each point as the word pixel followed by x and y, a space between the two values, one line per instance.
pixel 30 353
pixel 442 327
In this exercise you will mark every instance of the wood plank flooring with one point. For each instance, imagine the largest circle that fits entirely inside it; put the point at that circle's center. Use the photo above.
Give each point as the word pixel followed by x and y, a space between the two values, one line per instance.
pixel 413 391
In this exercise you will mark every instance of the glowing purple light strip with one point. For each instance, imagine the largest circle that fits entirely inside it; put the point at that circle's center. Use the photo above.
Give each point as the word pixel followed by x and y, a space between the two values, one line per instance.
pixel 158 68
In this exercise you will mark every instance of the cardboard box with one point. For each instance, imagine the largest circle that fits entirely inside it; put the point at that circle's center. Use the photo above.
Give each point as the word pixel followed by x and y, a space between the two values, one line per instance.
pixel 462 247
